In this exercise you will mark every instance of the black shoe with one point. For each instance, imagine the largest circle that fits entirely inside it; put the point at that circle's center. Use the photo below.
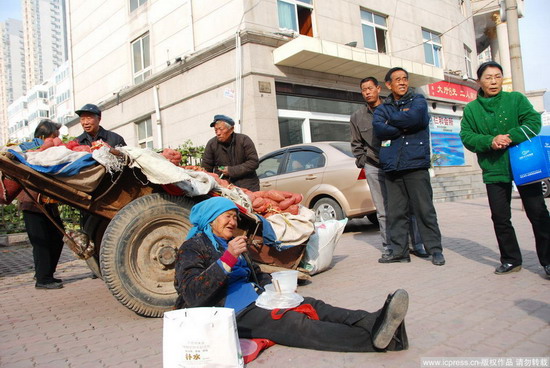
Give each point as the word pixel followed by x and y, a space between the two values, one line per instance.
pixel 438 259
pixel 399 341
pixel 390 257
pixel 507 268
pixel 391 317
pixel 50 285
pixel 419 251
pixel 57 280
pixel 547 269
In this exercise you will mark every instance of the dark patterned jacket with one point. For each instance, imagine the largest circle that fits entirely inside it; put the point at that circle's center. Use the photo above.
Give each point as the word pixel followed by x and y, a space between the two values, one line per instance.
pixel 200 280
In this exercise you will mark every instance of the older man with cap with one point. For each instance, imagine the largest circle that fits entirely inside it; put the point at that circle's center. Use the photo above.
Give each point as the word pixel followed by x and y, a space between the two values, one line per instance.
pixel 90 116
pixel 231 155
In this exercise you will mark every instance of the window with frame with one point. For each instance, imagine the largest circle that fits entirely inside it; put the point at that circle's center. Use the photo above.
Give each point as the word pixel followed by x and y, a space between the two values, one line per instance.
pixel 141 59
pixel 432 47
pixel 145 134
pixel 468 61
pixel 270 166
pixel 374 30
pixel 296 15
pixel 134 4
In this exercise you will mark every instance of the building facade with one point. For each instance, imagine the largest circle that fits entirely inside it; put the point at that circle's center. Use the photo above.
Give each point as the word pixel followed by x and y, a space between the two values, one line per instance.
pixel 287 71
pixel 12 69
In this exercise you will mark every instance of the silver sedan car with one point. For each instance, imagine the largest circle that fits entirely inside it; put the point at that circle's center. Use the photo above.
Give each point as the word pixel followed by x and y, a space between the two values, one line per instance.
pixel 325 174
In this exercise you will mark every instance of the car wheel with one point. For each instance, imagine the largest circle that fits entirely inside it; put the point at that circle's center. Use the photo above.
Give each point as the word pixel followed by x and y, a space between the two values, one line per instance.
pixel 545 188
pixel 373 218
pixel 327 209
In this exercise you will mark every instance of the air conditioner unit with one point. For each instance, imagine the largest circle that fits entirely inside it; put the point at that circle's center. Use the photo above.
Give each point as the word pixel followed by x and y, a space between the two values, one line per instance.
pixel 45 100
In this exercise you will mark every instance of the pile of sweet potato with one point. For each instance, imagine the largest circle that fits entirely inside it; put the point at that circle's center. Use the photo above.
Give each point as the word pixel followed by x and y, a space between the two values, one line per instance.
pixel 270 202
pixel 72 145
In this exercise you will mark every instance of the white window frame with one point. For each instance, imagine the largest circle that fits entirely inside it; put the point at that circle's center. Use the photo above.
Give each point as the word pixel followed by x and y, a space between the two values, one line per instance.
pixel 435 46
pixel 468 61
pixel 149 140
pixel 302 3
pixel 145 72
pixel 307 116
pixel 375 26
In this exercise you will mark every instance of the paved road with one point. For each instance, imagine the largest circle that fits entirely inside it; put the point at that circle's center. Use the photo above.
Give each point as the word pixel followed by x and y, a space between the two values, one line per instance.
pixel 459 310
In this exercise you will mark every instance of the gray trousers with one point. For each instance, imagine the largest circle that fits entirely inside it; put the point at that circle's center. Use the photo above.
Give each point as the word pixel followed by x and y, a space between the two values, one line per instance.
pixel 411 190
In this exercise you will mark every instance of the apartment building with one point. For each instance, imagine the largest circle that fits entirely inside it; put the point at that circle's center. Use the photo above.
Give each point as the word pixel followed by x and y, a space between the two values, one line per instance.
pixel 12 69
pixel 287 71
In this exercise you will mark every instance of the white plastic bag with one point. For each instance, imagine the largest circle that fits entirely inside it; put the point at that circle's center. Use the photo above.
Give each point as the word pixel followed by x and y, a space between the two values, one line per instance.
pixel 321 245
pixel 201 337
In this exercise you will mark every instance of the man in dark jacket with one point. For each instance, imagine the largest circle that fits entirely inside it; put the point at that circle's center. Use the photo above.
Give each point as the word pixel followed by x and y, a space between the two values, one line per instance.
pixel 402 125
pixel 90 116
pixel 231 155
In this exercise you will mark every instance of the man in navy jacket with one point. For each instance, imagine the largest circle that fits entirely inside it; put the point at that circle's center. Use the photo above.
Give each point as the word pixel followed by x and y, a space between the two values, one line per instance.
pixel 402 124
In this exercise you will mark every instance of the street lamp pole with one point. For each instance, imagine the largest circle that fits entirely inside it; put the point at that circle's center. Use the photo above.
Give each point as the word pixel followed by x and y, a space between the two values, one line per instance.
pixel 518 83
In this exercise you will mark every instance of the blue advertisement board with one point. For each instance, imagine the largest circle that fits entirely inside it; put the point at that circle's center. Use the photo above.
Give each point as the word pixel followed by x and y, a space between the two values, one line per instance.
pixel 447 148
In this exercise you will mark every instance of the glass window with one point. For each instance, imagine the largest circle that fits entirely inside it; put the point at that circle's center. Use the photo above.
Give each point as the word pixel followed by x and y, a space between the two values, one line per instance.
pixel 270 166
pixel 296 15
pixel 374 31
pixel 323 130
pixel 432 48
pixel 304 160
pixel 468 61
pixel 141 59
pixel 290 131
pixel 145 134
pixel 134 4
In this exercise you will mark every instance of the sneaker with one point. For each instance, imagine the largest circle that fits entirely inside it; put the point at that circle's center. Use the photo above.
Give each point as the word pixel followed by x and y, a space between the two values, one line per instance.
pixel 391 317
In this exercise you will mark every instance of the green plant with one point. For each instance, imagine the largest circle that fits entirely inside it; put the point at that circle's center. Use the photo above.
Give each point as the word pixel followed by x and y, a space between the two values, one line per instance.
pixel 190 154
pixel 11 220
pixel 437 159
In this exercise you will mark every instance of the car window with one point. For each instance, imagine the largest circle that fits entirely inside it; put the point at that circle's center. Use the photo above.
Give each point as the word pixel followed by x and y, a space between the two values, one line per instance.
pixel 270 166
pixel 344 147
pixel 304 160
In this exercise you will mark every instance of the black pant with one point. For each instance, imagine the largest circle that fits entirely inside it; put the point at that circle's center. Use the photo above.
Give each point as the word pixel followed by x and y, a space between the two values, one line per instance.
pixel 411 188
pixel 334 331
pixel 500 196
pixel 47 244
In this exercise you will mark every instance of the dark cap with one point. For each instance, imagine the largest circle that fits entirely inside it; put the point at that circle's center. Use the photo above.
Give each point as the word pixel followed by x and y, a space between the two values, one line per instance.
pixel 225 118
pixel 91 108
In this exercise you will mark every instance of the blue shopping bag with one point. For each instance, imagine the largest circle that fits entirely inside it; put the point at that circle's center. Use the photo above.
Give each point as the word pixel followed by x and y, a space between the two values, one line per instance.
pixel 530 160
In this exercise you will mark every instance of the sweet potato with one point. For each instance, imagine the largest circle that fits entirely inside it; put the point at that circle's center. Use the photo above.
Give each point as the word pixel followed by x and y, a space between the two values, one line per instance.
pixel 48 142
pixel 82 148
pixel 286 203
pixel 57 141
pixel 286 194
pixel 275 195
pixel 294 209
pixel 258 202
pixel 298 198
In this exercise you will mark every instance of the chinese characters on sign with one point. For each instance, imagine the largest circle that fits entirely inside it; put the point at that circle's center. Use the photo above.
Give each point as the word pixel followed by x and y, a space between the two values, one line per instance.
pixel 452 91
pixel 447 147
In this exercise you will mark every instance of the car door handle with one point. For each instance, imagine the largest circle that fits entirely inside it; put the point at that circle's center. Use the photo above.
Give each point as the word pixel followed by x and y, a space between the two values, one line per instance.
pixel 311 177
pixel 266 184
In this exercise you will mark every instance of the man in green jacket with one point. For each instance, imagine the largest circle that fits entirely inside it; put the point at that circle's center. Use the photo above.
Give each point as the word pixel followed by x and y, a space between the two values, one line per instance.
pixel 491 124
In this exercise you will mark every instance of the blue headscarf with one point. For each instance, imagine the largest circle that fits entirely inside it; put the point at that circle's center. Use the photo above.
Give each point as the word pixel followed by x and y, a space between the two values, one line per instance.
pixel 203 213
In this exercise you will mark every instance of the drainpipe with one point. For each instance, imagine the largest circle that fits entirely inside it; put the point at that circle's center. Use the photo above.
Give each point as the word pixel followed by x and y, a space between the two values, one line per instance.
pixel 238 81
pixel 158 120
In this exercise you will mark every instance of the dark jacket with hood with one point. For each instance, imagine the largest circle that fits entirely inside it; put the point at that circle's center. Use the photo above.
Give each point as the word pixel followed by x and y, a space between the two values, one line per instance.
pixel 238 155
pixel 403 127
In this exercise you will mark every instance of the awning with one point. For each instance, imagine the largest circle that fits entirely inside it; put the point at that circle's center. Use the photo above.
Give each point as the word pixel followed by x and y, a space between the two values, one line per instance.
pixel 329 57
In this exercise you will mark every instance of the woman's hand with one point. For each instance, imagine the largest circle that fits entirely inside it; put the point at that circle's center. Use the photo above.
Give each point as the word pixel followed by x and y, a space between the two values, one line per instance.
pixel 501 141
pixel 237 246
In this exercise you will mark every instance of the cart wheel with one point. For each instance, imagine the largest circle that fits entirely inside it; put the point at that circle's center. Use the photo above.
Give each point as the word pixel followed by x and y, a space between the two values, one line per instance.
pixel 138 252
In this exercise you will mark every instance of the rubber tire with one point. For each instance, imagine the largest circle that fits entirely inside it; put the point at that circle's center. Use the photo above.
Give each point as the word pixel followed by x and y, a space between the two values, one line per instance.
pixel 327 209
pixel 545 188
pixel 129 248
pixel 373 218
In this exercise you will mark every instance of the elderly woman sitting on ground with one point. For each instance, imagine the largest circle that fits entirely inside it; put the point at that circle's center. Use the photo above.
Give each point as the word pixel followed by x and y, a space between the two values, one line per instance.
pixel 211 271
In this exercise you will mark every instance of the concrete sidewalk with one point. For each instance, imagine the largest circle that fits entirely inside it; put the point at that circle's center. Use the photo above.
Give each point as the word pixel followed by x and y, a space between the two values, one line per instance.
pixel 459 310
